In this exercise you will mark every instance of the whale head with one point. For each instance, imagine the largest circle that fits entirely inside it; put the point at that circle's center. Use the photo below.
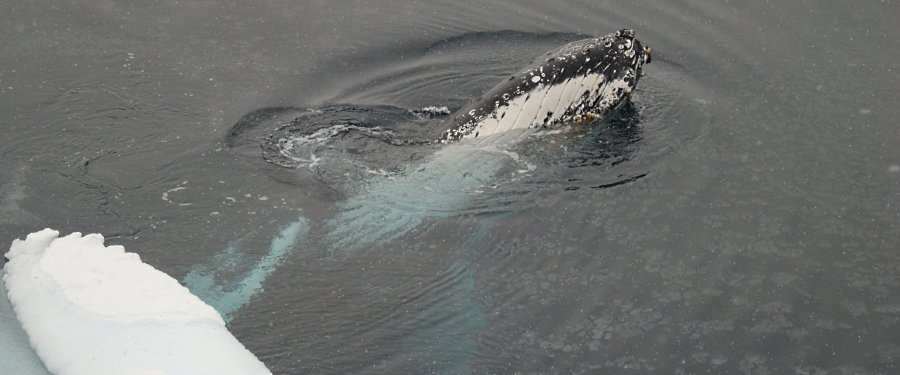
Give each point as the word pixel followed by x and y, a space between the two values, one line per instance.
pixel 580 81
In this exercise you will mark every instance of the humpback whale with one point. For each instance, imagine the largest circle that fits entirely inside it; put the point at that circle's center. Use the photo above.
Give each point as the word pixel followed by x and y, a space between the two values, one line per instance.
pixel 569 87
pixel 581 81
pixel 382 161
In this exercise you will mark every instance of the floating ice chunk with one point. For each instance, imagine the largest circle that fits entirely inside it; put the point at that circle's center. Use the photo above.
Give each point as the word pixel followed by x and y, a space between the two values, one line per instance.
pixel 16 355
pixel 93 310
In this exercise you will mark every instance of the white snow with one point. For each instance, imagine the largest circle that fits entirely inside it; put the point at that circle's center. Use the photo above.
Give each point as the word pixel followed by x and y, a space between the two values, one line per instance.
pixel 94 310
pixel 16 355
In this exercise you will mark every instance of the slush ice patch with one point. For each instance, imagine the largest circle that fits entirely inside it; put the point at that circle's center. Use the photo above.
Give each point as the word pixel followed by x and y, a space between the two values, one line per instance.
pixel 855 307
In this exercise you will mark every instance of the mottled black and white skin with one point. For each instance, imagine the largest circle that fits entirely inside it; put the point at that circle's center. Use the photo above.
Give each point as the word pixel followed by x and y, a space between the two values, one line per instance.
pixel 581 81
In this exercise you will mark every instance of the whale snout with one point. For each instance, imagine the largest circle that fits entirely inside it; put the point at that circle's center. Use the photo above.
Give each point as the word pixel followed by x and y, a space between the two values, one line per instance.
pixel 625 33
pixel 625 38
pixel 584 80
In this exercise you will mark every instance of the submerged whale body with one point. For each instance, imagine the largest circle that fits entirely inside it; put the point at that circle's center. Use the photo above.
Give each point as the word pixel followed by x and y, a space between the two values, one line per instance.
pixel 581 81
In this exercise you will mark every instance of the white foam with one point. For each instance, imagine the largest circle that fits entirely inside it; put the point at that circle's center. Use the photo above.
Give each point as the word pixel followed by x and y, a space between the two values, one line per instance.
pixel 94 310
pixel 435 110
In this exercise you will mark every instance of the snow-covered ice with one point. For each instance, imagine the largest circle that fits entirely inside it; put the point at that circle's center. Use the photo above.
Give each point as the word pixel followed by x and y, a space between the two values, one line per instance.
pixel 16 355
pixel 93 310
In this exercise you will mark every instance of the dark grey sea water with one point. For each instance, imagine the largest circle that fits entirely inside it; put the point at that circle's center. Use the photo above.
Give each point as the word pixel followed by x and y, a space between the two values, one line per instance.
pixel 740 217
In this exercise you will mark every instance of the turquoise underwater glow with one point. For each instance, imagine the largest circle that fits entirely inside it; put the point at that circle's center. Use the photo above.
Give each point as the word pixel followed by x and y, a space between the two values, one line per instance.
pixel 385 209
pixel 201 280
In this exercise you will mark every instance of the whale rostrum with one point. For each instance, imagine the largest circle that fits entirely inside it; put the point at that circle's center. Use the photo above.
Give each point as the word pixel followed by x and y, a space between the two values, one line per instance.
pixel 579 82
